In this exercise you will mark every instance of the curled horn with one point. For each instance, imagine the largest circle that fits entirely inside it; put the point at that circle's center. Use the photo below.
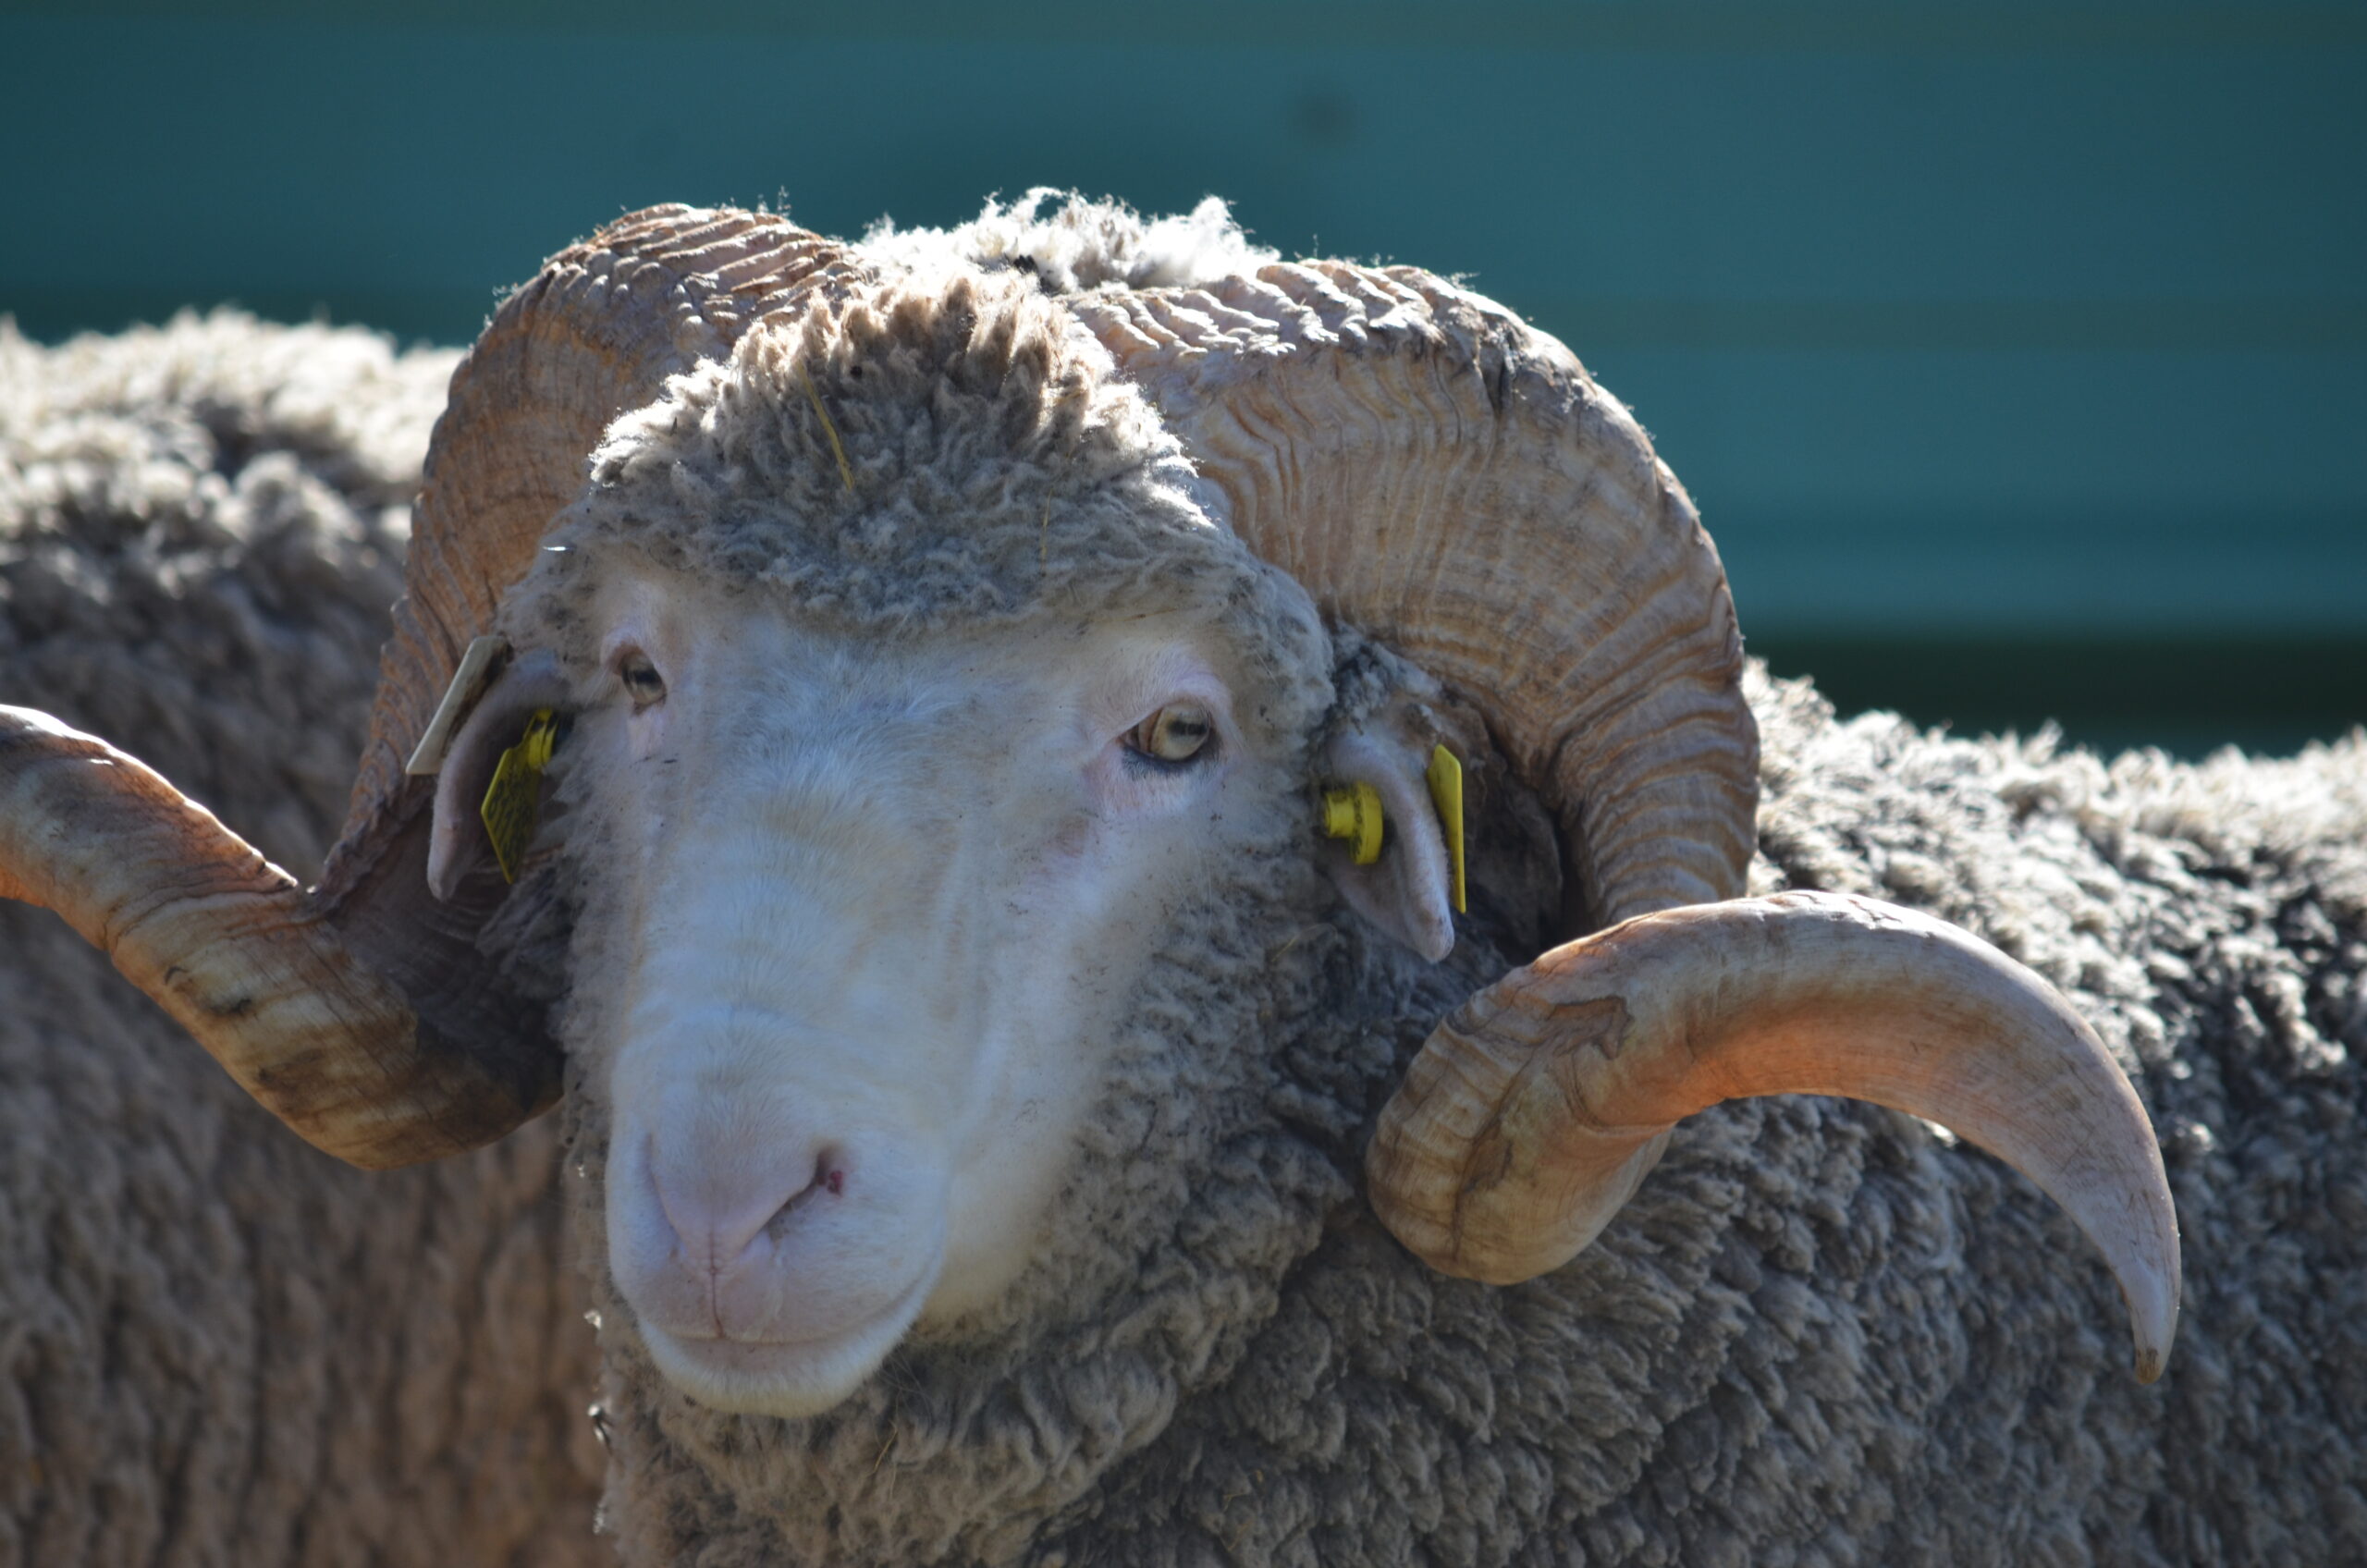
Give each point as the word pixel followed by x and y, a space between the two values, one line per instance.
pixel 1442 476
pixel 1531 1114
pixel 361 1012
pixel 225 942
pixel 1445 479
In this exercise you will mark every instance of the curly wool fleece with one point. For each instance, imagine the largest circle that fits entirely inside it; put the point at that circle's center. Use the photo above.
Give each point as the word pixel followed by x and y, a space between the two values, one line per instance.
pixel 217 1346
pixel 1821 1333
pixel 926 453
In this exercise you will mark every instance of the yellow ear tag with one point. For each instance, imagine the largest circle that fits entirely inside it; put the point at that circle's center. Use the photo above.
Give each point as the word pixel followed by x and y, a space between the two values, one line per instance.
pixel 1446 793
pixel 1355 812
pixel 516 792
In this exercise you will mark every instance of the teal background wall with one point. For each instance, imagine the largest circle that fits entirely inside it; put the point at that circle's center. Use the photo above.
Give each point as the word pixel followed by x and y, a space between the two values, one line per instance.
pixel 2017 354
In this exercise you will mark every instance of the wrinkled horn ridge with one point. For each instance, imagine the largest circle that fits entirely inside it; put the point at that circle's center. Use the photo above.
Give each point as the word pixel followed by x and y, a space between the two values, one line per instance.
pixel 1447 478
pixel 1532 1112
pixel 227 944
pixel 362 1013
pixel 595 334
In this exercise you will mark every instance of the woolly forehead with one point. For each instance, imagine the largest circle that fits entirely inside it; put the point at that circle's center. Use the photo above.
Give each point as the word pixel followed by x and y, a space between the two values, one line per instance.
pixel 920 460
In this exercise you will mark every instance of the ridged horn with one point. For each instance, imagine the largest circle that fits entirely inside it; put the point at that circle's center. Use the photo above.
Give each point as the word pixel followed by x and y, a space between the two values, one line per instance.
pixel 1451 482
pixel 595 333
pixel 1530 1115
pixel 227 945
pixel 361 1012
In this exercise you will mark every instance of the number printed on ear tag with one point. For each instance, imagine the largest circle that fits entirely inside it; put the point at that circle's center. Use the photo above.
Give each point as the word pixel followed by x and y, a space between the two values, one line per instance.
pixel 515 796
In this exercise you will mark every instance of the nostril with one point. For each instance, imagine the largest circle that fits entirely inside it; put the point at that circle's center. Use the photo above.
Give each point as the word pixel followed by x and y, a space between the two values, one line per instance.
pixel 830 1179
pixel 718 1214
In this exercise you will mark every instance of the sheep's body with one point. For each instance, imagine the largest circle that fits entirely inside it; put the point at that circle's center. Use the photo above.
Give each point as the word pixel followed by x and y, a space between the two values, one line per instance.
pixel 1819 1333
pixel 217 1346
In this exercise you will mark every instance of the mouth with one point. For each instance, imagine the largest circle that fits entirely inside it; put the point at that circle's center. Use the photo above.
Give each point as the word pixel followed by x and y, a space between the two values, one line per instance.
pixel 784 1377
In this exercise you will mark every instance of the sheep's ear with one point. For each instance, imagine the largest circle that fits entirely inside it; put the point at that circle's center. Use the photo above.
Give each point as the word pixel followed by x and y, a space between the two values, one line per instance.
pixel 460 846
pixel 1390 764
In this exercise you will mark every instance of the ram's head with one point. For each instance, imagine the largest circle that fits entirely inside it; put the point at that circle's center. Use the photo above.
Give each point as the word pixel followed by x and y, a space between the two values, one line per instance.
pixel 923 662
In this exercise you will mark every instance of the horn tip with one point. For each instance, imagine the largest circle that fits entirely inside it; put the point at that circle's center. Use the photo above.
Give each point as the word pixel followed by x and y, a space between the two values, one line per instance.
pixel 2152 1299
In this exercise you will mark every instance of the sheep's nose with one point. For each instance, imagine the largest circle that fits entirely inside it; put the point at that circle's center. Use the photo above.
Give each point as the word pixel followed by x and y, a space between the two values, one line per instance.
pixel 722 1210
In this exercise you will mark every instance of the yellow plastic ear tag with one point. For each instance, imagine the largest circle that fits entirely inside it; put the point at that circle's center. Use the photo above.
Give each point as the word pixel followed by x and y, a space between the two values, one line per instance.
pixel 516 792
pixel 1445 775
pixel 1355 812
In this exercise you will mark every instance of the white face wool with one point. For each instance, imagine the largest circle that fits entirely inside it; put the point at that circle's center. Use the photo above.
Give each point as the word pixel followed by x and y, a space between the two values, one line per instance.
pixel 869 874
pixel 884 902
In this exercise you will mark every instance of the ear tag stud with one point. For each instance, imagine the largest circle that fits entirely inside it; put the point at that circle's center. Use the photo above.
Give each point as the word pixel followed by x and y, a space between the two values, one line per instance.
pixel 1355 812
pixel 516 792
pixel 1445 775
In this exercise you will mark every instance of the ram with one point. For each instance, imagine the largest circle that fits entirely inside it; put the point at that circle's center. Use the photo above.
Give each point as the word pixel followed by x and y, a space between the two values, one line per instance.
pixel 963 793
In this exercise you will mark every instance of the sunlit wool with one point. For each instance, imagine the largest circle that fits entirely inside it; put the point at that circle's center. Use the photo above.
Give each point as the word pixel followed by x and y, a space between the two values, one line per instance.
pixel 1819 1333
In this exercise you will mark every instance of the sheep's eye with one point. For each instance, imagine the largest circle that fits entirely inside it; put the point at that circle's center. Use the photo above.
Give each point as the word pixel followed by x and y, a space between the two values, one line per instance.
pixel 1177 732
pixel 642 681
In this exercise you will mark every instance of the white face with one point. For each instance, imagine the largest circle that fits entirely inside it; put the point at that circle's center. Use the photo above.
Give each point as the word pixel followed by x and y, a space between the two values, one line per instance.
pixel 890 899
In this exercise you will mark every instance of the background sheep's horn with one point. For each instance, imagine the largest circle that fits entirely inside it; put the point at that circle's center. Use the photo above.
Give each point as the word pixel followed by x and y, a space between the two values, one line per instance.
pixel 363 1013
pixel 1530 1115
pixel 225 943
pixel 1445 478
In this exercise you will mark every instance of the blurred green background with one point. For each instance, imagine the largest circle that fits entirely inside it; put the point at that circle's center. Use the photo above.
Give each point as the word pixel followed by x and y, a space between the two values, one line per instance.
pixel 2016 353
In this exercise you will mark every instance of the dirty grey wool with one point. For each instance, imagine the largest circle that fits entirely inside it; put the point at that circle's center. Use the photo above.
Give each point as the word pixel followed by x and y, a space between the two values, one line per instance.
pixel 1823 1333
pixel 217 1346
